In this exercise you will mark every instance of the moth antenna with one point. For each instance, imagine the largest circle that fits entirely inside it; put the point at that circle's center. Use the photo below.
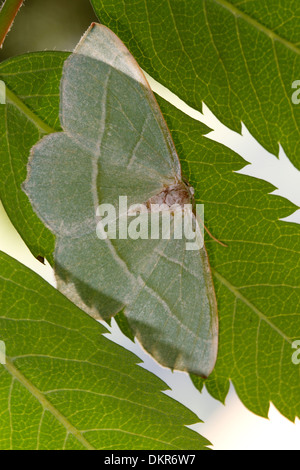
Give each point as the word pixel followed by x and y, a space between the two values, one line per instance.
pixel 214 238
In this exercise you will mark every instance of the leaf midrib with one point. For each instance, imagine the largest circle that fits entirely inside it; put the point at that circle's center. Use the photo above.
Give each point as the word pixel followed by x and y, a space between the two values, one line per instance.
pixel 16 374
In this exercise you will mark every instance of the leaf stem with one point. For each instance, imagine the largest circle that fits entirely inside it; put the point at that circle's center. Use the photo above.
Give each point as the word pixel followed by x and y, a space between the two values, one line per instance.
pixel 7 15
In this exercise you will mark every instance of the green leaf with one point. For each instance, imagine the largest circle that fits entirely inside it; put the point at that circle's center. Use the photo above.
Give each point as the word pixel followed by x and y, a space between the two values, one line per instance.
pixel 65 386
pixel 240 58
pixel 262 258
pixel 31 110
pixel 257 277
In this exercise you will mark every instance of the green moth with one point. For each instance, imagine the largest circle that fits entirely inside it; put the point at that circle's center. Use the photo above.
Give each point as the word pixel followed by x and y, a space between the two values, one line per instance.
pixel 115 143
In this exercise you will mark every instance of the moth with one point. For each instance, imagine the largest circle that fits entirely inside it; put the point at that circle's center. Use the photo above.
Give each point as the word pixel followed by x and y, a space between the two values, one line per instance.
pixel 115 143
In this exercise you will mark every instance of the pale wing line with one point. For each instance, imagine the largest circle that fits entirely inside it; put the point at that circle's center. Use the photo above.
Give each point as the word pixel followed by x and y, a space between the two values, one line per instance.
pixel 197 336
pixel 164 304
pixel 261 315
pixel 142 137
pixel 174 163
pixel 162 254
pixel 153 268
pixel 168 318
pixel 211 314
pixel 141 290
pixel 180 299
pixel 117 258
pixel 109 244
pixel 144 284
pixel 181 325
pixel 181 271
pixel 155 265
pixel 163 131
pixel 175 261
pixel 101 134
pixel 133 156
pixel 120 110
pixel 38 395
pixel 172 260
pixel 129 121
pixel 148 169
pixel 121 262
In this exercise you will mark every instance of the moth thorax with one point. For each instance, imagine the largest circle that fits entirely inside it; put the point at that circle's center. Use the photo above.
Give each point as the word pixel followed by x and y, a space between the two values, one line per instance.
pixel 176 194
